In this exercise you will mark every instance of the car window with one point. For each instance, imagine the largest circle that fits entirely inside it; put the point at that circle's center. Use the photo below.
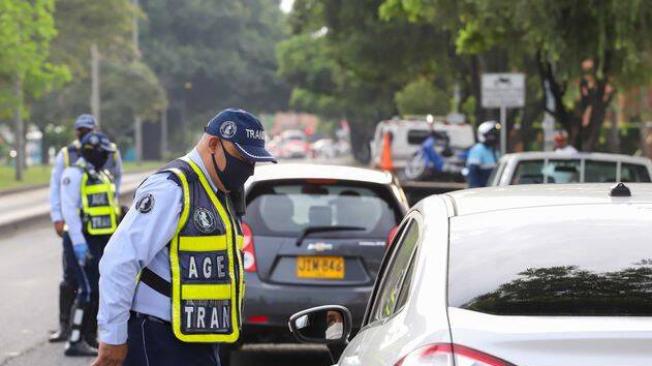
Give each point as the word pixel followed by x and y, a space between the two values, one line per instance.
pixel 634 173
pixel 554 171
pixel 600 171
pixel 561 261
pixel 286 209
pixel 396 275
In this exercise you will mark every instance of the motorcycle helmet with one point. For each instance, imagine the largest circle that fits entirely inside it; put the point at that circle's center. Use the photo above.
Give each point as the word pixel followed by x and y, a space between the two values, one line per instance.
pixel 489 132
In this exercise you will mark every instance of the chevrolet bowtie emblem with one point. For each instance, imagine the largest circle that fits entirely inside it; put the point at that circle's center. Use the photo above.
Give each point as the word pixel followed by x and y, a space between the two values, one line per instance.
pixel 320 247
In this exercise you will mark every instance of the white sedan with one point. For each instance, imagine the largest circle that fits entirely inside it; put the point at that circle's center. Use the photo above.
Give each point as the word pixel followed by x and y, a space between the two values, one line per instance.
pixel 524 275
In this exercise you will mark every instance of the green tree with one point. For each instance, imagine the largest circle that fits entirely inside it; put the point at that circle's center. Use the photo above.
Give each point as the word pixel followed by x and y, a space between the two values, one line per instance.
pixel 213 54
pixel 26 31
pixel 344 60
pixel 558 36
pixel 422 97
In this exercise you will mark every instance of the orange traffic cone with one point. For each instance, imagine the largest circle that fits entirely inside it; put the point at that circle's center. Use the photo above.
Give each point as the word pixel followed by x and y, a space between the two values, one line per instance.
pixel 386 153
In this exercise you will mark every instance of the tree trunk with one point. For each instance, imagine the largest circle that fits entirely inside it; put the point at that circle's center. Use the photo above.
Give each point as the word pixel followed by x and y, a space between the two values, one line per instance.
pixel 19 129
pixel 476 87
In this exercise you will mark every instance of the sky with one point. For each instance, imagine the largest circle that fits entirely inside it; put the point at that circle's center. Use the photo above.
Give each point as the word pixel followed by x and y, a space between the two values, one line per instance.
pixel 286 5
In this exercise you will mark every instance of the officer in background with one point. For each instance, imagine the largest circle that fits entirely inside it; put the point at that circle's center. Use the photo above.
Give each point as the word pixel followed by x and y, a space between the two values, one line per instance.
pixel 483 157
pixel 182 236
pixel 91 212
pixel 68 155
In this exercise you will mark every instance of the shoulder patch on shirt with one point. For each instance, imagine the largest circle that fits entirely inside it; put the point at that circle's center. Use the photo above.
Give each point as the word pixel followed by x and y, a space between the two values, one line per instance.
pixel 65 181
pixel 145 203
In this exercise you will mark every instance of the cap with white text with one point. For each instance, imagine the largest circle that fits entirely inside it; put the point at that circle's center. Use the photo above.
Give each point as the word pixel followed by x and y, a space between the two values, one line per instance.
pixel 244 130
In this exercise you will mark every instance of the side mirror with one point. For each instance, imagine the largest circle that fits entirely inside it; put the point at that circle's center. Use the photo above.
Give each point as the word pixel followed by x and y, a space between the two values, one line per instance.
pixel 328 324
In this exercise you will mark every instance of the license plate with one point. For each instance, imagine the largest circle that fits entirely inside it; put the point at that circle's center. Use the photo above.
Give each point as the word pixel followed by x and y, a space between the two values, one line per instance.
pixel 330 268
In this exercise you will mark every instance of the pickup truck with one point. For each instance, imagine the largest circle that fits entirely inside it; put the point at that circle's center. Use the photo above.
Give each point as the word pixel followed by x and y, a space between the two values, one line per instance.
pixel 554 167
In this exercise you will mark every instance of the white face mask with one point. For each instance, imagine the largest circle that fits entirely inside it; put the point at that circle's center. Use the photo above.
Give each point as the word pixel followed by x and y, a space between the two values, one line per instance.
pixel 334 331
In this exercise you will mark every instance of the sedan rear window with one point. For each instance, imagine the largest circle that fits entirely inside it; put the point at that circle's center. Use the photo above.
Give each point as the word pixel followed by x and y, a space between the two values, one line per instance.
pixel 288 208
pixel 567 261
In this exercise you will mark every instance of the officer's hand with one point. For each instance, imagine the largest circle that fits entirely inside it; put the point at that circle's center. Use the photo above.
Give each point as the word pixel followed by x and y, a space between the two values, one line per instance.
pixel 58 227
pixel 111 355
pixel 81 251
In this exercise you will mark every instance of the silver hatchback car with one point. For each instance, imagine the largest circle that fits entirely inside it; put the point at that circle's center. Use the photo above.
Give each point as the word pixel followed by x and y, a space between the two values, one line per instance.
pixel 523 275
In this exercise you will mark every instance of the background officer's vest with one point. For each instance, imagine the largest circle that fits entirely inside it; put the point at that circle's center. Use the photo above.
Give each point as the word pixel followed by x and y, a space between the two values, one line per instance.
pixel 206 267
pixel 99 208
pixel 70 153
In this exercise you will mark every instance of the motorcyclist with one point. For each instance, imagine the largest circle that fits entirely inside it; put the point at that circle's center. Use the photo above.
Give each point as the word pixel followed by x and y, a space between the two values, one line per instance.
pixel 483 157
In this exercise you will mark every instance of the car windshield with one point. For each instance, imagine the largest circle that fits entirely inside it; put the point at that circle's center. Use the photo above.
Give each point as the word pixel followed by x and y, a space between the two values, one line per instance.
pixel 287 209
pixel 597 261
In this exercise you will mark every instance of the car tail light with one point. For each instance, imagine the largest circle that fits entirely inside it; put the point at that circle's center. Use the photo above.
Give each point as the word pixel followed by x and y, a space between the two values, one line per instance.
pixel 249 253
pixel 446 354
pixel 391 235
pixel 258 319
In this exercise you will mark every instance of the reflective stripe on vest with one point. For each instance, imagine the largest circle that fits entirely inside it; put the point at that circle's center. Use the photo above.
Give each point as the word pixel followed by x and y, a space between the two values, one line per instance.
pixel 99 208
pixel 206 269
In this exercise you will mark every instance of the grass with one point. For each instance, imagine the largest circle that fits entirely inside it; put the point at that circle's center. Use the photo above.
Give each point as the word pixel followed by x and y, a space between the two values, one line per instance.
pixel 40 175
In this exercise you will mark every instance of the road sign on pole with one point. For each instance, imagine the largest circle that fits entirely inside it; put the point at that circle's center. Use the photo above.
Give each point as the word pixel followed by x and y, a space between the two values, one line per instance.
pixel 504 90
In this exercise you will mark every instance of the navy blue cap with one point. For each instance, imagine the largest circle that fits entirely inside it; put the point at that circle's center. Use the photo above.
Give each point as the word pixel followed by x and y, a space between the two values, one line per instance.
pixel 85 121
pixel 245 132
pixel 97 141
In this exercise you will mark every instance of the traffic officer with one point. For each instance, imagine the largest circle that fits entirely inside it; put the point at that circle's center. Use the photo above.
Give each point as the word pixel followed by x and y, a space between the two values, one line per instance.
pixel 483 157
pixel 68 155
pixel 182 241
pixel 91 212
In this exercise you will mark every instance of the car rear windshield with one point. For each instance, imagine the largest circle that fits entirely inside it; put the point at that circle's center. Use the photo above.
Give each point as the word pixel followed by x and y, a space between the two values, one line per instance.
pixel 593 260
pixel 283 208
pixel 569 171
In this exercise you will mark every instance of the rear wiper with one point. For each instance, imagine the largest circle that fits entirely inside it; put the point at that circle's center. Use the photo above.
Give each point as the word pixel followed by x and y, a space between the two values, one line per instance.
pixel 324 229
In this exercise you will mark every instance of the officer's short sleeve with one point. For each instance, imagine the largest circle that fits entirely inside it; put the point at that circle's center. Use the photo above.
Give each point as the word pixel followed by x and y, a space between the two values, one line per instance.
pixel 475 156
pixel 146 229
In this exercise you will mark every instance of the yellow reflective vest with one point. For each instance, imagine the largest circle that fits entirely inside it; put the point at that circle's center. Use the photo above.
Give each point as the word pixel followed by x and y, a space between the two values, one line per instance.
pixel 100 211
pixel 206 265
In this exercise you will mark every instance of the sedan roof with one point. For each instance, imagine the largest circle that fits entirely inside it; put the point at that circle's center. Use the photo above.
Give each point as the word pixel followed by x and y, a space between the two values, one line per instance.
pixel 472 201
pixel 319 171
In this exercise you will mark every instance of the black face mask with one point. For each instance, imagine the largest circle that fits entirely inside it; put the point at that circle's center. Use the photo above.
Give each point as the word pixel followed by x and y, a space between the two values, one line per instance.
pixel 96 158
pixel 236 172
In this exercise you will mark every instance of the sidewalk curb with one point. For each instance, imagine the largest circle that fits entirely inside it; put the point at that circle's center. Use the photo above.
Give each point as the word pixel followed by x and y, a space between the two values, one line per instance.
pixel 10 227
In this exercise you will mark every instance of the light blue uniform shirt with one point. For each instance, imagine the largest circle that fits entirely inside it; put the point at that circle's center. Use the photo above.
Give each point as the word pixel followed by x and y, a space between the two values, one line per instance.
pixel 483 156
pixel 113 165
pixel 140 241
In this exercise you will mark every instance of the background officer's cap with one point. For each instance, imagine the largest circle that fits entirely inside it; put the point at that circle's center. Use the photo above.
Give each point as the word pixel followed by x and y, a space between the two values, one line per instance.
pixel 85 121
pixel 244 130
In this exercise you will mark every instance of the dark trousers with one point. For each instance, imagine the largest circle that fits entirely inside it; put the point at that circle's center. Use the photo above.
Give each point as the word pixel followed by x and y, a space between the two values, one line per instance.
pixel 69 263
pixel 151 342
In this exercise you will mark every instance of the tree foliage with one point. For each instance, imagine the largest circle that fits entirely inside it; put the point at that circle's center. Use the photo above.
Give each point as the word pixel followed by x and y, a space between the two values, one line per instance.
pixel 213 54
pixel 559 36
pixel 26 31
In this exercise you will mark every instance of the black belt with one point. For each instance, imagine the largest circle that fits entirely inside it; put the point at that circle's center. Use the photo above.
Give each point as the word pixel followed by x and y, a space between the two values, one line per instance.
pixel 149 317
pixel 156 282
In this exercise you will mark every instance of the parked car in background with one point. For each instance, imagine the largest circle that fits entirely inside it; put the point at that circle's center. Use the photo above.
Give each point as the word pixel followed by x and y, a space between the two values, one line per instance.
pixel 324 149
pixel 314 234
pixel 507 276
pixel 553 167
pixel 293 145
pixel 408 136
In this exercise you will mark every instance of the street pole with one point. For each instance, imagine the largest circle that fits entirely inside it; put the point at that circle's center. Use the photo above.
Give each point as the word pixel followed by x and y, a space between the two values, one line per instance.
pixel 95 83
pixel 164 133
pixel 138 122
pixel 19 129
pixel 503 129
